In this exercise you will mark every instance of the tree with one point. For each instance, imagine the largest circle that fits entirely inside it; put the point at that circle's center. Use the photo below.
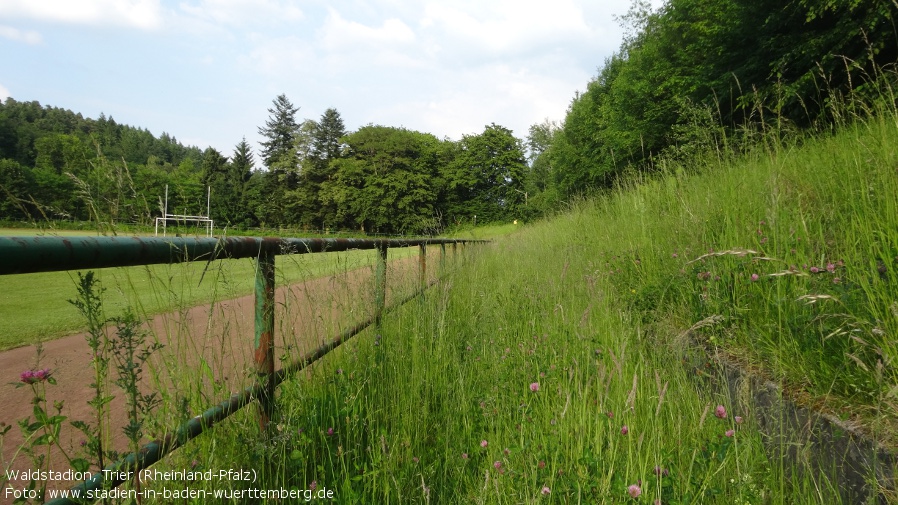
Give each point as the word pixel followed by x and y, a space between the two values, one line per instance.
pixel 386 182
pixel 279 154
pixel 486 177
pixel 326 148
pixel 279 150
pixel 539 184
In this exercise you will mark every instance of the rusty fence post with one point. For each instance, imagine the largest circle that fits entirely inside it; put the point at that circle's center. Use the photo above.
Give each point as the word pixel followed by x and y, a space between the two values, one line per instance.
pixel 264 339
pixel 380 283
pixel 422 257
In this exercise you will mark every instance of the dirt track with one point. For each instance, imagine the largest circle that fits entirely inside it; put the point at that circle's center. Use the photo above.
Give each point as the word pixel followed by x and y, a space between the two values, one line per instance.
pixel 208 353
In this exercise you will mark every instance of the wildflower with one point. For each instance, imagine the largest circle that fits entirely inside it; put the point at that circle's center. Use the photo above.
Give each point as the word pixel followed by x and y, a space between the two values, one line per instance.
pixel 836 280
pixel 674 255
pixel 610 415
pixel 313 485
pixel 815 270
pixel 35 376
pixel 534 386
pixel 546 491
pixel 830 267
pixel 738 419
pixel 415 459
pixel 755 277
pixel 730 433
pixel 634 491
pixel 506 451
pixel 330 432
pixel 541 464
pixel 720 412
pixel 484 443
pixel 464 455
pixel 624 430
pixel 497 465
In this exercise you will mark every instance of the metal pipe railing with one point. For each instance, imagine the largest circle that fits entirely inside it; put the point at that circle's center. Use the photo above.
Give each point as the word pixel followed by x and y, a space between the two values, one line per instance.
pixel 46 254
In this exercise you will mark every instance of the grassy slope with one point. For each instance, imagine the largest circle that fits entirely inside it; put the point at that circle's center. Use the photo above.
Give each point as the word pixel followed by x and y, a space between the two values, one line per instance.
pixel 589 306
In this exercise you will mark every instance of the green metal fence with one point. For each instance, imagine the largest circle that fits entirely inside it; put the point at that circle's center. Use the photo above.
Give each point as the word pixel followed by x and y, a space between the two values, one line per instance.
pixel 20 255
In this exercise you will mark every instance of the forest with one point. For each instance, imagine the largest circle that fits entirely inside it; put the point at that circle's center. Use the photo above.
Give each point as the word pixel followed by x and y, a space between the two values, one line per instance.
pixel 687 75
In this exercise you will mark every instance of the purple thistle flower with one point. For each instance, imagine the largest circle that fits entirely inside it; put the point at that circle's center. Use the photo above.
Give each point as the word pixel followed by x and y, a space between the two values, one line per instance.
pixel 497 465
pixel 624 430
pixel 815 270
pixel 330 432
pixel 534 386
pixel 830 267
pixel 634 490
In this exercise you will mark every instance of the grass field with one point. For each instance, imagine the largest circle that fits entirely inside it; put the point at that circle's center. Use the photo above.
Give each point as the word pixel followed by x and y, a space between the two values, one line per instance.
pixel 548 370
pixel 543 372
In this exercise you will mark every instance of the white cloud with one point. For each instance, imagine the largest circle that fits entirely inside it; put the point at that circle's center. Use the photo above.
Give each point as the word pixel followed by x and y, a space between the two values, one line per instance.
pixel 507 25
pixel 281 56
pixel 341 34
pixel 244 12
pixel 28 37
pixel 4 93
pixel 143 14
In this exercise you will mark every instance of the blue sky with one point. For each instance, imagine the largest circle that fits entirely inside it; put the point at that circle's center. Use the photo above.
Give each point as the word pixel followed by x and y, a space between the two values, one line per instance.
pixel 206 71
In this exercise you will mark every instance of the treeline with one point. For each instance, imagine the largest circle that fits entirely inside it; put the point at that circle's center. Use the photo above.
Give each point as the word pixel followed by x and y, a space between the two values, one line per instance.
pixel 692 78
pixel 696 76
pixel 314 175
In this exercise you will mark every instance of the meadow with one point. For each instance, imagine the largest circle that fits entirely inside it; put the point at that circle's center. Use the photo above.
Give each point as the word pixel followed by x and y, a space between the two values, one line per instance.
pixel 548 367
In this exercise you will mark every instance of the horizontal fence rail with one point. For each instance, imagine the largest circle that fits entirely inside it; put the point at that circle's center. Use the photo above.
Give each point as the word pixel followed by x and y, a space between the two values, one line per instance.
pixel 20 255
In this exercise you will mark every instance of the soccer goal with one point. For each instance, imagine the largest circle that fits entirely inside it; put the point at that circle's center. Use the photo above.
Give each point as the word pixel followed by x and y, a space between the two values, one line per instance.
pixel 205 222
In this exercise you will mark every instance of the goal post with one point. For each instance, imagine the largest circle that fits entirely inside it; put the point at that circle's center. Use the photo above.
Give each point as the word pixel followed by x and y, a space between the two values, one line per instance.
pixel 206 221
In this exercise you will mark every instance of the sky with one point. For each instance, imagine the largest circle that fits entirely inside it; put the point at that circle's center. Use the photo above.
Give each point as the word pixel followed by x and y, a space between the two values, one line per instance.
pixel 206 71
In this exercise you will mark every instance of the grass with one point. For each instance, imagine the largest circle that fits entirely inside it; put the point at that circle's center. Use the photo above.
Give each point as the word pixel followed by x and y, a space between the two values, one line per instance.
pixel 542 372
pixel 36 308
pixel 513 381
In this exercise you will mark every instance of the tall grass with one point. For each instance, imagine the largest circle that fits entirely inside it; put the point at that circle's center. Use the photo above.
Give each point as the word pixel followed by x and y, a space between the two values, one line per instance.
pixel 518 380
pixel 549 369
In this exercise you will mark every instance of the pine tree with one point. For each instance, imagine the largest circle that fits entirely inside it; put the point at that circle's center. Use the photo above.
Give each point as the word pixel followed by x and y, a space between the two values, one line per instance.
pixel 279 151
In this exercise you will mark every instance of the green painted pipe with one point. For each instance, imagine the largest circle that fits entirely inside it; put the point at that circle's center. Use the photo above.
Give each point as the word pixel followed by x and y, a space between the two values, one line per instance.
pixel 20 255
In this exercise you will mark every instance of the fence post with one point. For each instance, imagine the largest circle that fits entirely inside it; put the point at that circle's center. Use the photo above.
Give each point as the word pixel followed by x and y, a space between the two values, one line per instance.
pixel 422 257
pixel 380 283
pixel 442 259
pixel 264 341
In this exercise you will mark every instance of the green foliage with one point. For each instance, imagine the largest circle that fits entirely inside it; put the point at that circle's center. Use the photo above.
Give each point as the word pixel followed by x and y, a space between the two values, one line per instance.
pixel 755 65
pixel 486 177
pixel 58 165
pixel 386 182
